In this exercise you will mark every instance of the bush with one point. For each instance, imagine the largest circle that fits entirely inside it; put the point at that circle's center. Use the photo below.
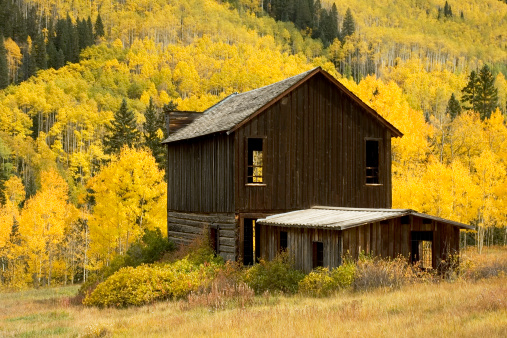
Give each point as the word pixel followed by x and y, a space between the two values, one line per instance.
pixel 151 248
pixel 381 273
pixel 322 282
pixel 146 284
pixel 317 283
pixel 344 274
pixel 277 275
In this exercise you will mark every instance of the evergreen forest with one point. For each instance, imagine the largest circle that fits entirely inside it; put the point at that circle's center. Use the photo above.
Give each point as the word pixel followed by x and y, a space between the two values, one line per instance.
pixel 84 86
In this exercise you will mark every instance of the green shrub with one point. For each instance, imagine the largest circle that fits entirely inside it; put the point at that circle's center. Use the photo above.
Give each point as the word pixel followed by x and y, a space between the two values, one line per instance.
pixel 145 284
pixel 277 275
pixel 151 248
pixel 321 282
pixel 344 275
pixel 317 283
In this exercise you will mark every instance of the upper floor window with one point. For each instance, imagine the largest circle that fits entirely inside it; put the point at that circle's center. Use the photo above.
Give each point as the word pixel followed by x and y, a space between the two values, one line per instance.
pixel 372 162
pixel 255 160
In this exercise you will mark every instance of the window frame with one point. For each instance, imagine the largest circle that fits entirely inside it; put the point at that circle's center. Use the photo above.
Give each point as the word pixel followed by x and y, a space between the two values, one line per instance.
pixel 248 165
pixel 420 239
pixel 380 162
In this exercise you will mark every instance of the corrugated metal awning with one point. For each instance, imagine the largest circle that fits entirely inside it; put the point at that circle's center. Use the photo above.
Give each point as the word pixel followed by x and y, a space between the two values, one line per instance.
pixel 343 218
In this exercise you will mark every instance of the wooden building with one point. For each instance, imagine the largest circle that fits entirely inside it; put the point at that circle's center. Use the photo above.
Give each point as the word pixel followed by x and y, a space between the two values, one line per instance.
pixel 298 143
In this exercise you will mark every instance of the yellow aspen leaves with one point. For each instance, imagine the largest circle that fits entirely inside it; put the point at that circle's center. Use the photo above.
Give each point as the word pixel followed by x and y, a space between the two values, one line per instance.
pixel 130 196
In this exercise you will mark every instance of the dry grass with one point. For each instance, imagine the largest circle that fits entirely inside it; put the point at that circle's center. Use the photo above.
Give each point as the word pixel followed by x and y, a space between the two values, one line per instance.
pixel 465 308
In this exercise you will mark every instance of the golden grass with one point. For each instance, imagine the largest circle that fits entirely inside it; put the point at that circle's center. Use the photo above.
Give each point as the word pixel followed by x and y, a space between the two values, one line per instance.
pixel 458 309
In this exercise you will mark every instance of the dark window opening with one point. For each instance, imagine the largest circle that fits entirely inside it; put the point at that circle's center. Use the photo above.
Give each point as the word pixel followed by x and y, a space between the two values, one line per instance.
pixel 251 252
pixel 283 240
pixel 318 254
pixel 255 160
pixel 405 220
pixel 213 239
pixel 426 221
pixel 422 248
pixel 372 162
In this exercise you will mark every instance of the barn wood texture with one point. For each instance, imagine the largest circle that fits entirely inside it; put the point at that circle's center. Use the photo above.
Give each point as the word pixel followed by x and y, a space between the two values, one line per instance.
pixel 314 134
pixel 349 232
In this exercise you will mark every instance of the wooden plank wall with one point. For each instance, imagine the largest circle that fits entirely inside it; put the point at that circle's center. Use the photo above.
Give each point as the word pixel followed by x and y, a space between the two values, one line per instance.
pixel 314 153
pixel 391 239
pixel 381 239
pixel 200 175
pixel 299 244
pixel 182 228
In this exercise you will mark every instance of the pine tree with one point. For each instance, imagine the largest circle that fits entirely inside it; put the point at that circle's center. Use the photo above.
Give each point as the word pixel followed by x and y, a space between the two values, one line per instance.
pixel 316 18
pixel 81 31
pixel 89 31
pixel 28 67
pixel 453 107
pixel 122 131
pixel 74 43
pixel 303 15
pixel 62 39
pixel 39 52
pixel 99 27
pixel 470 92
pixel 4 71
pixel 487 94
pixel 349 26
pixel 155 131
pixel 333 22
pixel 447 10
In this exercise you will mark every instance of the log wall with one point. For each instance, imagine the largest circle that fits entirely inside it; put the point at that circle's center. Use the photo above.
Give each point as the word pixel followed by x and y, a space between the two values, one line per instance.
pixel 182 228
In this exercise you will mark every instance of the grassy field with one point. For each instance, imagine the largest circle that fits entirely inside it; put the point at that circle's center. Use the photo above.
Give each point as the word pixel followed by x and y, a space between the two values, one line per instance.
pixel 463 308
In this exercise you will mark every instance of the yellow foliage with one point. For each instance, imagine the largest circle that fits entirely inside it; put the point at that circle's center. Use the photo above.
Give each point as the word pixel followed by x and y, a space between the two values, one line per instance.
pixel 43 221
pixel 130 196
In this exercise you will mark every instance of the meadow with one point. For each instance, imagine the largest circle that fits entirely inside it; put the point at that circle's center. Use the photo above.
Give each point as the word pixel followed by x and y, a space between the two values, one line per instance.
pixel 465 306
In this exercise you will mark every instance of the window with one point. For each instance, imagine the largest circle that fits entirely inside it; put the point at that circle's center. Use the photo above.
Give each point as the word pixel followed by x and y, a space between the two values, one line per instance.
pixel 255 160
pixel 372 162
pixel 283 240
pixel 422 248
pixel 318 254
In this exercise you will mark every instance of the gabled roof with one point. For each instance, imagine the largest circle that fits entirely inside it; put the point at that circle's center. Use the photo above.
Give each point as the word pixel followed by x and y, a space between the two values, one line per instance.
pixel 343 218
pixel 237 109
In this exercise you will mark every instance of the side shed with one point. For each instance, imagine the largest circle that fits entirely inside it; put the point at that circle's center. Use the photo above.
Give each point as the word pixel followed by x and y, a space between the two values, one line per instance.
pixel 322 236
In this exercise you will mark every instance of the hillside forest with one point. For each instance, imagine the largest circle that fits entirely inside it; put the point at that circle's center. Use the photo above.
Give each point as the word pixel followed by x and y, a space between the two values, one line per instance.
pixel 84 86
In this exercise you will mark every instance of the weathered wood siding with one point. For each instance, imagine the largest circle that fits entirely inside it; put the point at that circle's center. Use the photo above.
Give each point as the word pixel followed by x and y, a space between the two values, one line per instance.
pixel 391 239
pixel 182 228
pixel 300 245
pixel 314 153
pixel 200 175
pixel 388 240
